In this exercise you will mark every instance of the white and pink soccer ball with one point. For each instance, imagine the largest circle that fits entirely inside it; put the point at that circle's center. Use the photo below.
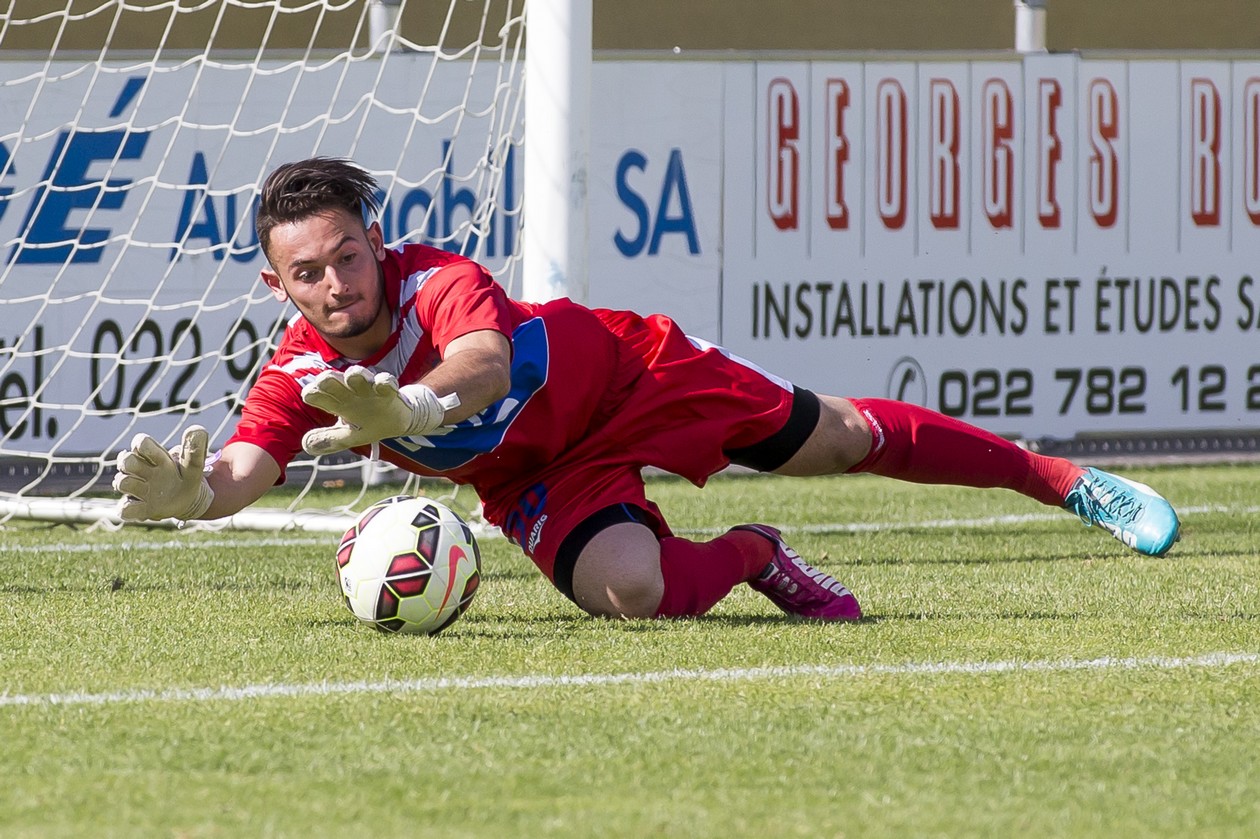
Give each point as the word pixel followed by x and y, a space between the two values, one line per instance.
pixel 409 565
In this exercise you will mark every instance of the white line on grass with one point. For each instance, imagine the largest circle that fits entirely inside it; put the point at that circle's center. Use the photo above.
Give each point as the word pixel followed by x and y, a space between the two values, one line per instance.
pixel 89 546
pixel 961 524
pixel 463 683
pixel 786 527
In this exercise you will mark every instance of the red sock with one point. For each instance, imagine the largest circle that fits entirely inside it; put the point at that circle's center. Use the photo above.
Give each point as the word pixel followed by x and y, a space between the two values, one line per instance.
pixel 916 444
pixel 699 574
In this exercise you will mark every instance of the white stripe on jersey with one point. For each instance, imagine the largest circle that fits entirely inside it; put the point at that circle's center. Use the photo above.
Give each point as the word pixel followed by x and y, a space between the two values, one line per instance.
pixel 701 344
pixel 411 285
pixel 309 364
pixel 408 328
pixel 301 363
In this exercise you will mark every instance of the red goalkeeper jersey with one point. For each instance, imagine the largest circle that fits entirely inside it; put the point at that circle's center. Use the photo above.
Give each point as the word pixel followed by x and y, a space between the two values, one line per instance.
pixel 434 297
pixel 595 395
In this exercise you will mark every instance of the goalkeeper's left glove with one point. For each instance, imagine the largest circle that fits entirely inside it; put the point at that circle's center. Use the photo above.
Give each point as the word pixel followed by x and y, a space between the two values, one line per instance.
pixel 157 484
pixel 370 408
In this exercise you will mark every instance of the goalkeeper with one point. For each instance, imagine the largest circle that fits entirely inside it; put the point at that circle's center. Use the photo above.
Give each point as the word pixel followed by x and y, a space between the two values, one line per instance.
pixel 550 411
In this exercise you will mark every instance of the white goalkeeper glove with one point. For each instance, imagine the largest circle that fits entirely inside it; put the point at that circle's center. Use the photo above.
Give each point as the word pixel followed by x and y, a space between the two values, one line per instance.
pixel 157 484
pixel 370 408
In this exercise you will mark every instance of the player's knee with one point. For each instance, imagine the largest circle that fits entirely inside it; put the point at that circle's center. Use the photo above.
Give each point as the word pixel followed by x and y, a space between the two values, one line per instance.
pixel 855 433
pixel 630 596
pixel 618 573
pixel 840 441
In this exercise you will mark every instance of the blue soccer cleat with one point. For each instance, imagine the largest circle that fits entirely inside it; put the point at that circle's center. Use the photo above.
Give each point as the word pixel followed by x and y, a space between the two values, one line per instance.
pixel 1134 513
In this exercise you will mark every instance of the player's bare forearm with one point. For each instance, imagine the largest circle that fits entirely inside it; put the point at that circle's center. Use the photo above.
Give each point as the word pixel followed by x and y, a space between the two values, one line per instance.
pixel 242 475
pixel 477 367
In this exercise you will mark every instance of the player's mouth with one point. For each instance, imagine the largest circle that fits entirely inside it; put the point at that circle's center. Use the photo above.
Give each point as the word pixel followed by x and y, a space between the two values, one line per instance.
pixel 329 311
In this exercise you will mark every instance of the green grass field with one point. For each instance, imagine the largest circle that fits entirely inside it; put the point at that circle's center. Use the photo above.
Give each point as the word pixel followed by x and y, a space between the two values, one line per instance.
pixel 1016 673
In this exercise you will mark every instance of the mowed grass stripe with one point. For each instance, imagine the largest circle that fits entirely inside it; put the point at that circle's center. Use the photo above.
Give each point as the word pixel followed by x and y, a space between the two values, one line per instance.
pixel 247 541
pixel 722 675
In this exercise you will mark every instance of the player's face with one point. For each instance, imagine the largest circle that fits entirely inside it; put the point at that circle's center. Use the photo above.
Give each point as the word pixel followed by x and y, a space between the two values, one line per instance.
pixel 330 267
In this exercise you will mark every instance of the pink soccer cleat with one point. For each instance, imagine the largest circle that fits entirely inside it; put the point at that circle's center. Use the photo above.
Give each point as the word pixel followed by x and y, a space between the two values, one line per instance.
pixel 797 587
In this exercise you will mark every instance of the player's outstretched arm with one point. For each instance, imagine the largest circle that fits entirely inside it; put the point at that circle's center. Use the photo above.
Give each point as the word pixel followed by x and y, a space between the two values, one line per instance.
pixel 369 407
pixel 372 406
pixel 242 475
pixel 158 484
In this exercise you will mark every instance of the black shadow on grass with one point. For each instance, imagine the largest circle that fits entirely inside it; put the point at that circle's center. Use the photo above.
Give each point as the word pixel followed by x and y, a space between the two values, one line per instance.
pixel 528 628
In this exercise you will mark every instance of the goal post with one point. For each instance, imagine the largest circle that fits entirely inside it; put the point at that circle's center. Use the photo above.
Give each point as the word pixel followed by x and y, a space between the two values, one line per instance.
pixel 135 139
pixel 557 149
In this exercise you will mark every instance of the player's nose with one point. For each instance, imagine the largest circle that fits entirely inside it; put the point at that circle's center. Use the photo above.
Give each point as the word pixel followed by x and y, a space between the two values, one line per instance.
pixel 338 284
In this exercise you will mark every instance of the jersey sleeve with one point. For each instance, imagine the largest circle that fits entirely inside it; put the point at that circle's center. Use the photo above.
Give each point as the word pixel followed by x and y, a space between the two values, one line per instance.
pixel 274 417
pixel 461 298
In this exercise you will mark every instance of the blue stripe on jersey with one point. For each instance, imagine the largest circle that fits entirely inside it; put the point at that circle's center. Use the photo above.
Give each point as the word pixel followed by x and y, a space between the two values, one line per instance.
pixel 453 446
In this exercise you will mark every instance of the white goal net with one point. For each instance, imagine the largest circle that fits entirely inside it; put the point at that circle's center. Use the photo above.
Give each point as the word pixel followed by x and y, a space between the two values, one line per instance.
pixel 133 141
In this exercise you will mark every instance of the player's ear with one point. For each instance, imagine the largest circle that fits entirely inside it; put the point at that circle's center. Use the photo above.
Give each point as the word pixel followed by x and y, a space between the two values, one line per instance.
pixel 376 238
pixel 272 280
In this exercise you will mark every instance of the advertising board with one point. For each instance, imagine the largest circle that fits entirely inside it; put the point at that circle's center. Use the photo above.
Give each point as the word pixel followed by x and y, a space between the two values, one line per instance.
pixel 1046 245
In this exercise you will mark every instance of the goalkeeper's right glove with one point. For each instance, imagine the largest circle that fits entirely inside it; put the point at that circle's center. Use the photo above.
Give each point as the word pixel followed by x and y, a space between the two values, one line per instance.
pixel 370 407
pixel 157 484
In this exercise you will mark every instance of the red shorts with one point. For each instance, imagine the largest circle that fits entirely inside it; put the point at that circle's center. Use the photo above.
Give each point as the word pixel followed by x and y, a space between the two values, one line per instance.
pixel 688 407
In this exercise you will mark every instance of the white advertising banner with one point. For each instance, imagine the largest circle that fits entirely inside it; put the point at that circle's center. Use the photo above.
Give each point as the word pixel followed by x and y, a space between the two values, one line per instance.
pixel 655 190
pixel 1047 247
pixel 128 260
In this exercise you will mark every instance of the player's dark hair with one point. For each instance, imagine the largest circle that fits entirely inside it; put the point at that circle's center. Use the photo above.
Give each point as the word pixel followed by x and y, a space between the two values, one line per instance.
pixel 295 191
